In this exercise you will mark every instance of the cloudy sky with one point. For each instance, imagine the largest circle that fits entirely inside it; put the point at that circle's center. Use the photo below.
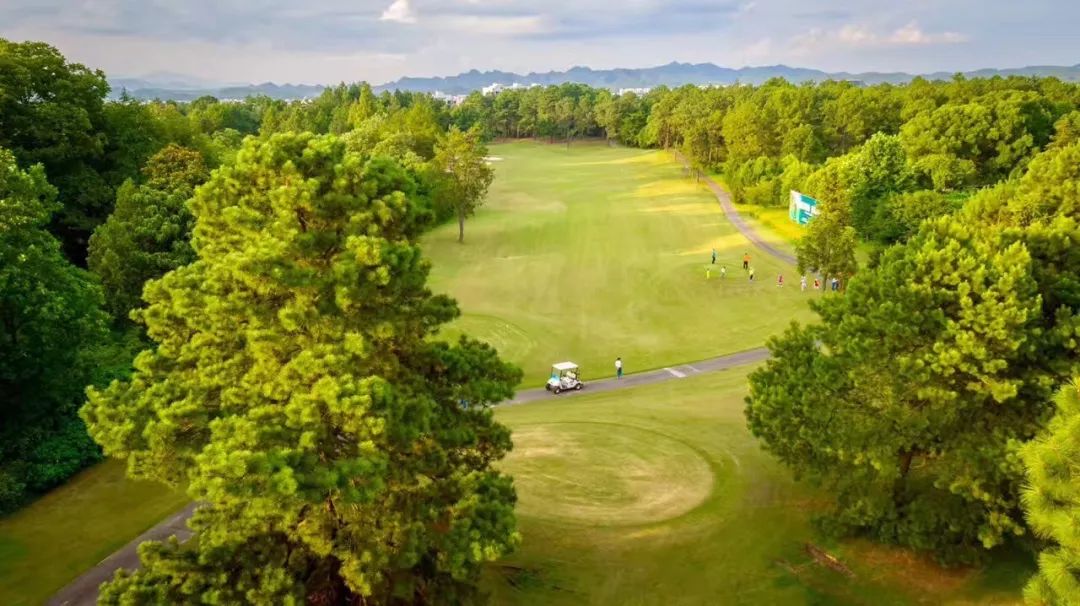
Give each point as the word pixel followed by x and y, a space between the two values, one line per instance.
pixel 325 41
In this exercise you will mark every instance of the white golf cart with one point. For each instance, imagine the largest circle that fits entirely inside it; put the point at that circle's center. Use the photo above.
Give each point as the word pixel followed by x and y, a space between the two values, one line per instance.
pixel 564 376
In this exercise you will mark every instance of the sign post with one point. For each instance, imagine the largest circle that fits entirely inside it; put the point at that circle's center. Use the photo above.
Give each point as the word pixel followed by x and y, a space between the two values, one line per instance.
pixel 802 208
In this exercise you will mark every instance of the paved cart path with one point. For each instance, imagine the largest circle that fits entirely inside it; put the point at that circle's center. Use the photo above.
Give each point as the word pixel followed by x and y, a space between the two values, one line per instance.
pixel 736 219
pixel 83 590
pixel 649 377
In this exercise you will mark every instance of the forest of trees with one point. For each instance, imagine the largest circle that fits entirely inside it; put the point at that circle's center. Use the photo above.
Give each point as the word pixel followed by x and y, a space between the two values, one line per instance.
pixel 930 398
pixel 96 204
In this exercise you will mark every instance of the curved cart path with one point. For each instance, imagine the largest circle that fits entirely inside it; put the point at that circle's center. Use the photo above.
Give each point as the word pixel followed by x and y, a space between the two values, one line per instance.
pixel 733 215
pixel 83 590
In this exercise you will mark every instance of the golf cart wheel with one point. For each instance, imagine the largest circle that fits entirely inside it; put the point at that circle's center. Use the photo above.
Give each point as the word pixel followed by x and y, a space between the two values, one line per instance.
pixel 558 390
pixel 579 386
pixel 547 387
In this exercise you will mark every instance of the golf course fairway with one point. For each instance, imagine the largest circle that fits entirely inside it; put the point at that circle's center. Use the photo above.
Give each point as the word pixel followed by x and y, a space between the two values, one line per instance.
pixel 591 252
pixel 660 495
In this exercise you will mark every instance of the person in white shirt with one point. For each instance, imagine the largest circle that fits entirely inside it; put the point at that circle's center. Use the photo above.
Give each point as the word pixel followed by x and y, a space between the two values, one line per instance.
pixel 618 368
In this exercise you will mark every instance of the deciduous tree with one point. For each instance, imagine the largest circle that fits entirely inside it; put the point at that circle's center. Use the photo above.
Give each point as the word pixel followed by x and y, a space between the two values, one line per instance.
pixel 52 113
pixel 828 248
pixel 461 157
pixel 149 231
pixel 50 316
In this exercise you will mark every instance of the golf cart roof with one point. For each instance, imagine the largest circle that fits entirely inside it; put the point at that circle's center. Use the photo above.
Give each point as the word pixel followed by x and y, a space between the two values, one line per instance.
pixel 564 366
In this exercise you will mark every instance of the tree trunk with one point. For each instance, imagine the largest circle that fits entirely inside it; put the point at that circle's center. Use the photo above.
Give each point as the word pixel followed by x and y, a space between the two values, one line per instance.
pixel 906 458
pixel 461 225
pixel 900 485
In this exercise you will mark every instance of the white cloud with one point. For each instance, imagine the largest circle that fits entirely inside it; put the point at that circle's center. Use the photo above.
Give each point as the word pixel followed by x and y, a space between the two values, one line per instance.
pixel 757 51
pixel 858 36
pixel 400 11
pixel 912 34
pixel 495 25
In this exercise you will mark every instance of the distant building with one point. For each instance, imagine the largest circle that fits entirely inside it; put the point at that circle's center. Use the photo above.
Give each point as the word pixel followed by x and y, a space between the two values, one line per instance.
pixel 495 88
pixel 451 99
pixel 641 90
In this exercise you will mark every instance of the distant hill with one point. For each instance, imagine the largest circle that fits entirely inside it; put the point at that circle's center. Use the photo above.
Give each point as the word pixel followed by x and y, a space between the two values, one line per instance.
pixel 678 74
pixel 185 91
pixel 672 74
pixel 181 88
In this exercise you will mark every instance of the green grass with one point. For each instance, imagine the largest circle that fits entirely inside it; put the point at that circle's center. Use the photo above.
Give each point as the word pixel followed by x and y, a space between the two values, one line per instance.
pixel 47 544
pixel 773 221
pixel 594 252
pixel 659 495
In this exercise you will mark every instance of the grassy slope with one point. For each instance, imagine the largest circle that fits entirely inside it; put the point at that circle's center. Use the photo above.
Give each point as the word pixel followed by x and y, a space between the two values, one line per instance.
pixel 594 252
pixel 660 495
pixel 47 544
pixel 774 221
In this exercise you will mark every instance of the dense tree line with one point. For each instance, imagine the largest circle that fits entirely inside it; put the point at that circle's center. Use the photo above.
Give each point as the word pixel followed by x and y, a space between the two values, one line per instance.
pixel 51 333
pixel 65 154
pixel 110 184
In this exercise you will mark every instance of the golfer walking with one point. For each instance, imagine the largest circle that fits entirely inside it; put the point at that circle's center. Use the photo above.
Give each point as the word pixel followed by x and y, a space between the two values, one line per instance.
pixel 618 368
pixel 714 256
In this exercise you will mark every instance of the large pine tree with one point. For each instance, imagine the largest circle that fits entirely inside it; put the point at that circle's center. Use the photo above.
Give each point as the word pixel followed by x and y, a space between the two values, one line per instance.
pixel 341 455
pixel 1052 501
pixel 905 399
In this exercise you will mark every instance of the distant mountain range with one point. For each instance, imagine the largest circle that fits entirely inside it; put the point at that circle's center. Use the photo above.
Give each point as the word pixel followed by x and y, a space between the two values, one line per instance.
pixel 182 88
pixel 188 90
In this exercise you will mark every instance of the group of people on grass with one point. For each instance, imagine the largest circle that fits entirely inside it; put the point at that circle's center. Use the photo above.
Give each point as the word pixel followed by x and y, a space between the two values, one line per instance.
pixel 834 283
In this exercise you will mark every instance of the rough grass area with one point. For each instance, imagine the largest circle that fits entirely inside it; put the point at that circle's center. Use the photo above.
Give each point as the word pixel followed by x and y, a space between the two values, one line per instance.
pixel 48 543
pixel 660 495
pixel 594 252
pixel 773 220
